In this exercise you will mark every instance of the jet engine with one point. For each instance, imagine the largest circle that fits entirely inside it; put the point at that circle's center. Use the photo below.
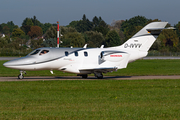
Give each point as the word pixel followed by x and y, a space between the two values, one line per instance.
pixel 114 58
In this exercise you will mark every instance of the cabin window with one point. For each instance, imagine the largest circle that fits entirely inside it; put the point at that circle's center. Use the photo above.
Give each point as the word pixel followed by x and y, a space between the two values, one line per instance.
pixel 85 54
pixel 66 53
pixel 44 52
pixel 34 52
pixel 76 53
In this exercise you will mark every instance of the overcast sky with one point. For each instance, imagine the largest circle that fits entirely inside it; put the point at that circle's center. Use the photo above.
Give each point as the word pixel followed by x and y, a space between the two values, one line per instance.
pixel 66 11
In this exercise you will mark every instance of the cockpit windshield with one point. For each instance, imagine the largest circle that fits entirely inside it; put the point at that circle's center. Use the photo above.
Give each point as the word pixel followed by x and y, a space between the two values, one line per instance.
pixel 34 52
pixel 37 51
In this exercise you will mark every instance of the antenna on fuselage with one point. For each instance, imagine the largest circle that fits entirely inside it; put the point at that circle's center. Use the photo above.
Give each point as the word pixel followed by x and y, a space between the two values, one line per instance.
pixel 102 46
pixel 85 46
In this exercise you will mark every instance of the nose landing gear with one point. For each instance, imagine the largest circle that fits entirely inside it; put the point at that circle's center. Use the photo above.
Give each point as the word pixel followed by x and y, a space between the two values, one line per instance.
pixel 20 76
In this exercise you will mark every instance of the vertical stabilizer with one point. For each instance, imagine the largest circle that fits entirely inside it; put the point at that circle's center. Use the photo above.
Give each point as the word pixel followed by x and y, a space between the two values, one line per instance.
pixel 144 39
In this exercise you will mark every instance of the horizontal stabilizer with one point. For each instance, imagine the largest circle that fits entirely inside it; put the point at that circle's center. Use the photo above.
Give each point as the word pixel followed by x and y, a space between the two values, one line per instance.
pixel 154 29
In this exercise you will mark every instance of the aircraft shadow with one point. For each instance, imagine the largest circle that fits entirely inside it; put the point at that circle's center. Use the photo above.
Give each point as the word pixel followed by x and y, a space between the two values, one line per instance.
pixel 74 78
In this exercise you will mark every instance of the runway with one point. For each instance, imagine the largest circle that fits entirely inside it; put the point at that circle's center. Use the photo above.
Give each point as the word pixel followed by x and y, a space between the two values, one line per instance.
pixel 49 78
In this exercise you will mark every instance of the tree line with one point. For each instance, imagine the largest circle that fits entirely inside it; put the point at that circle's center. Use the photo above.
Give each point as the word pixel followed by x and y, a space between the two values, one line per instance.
pixel 96 32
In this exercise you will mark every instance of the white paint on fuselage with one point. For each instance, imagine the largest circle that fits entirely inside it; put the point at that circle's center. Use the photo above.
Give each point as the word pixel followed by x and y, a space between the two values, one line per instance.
pixel 70 63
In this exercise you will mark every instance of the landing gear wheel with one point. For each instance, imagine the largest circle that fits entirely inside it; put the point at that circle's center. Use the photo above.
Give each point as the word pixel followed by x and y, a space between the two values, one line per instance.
pixel 84 76
pixel 20 76
pixel 100 77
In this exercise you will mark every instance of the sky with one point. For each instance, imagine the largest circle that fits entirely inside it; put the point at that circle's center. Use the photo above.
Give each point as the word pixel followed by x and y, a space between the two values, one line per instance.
pixel 65 11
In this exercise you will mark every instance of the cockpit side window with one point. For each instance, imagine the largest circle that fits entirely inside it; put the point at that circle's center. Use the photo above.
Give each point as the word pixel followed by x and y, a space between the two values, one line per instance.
pixel 44 52
pixel 34 52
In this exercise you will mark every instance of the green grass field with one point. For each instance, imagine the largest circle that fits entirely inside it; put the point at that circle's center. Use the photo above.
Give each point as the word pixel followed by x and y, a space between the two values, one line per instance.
pixel 91 99
pixel 139 67
pixel 94 99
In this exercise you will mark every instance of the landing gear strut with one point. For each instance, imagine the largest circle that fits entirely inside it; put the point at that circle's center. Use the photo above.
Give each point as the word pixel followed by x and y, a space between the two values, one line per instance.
pixel 99 75
pixel 20 76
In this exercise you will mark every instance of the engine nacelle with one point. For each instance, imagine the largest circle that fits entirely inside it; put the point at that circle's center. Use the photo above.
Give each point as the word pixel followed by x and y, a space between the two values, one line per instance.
pixel 113 56
pixel 114 59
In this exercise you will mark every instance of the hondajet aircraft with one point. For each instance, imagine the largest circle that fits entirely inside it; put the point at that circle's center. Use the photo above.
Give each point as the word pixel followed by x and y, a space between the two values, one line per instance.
pixel 84 61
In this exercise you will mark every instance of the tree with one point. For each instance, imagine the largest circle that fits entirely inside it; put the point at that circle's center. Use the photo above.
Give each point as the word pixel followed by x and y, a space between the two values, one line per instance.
pixel 17 32
pixel 51 32
pixel 131 26
pixel 73 24
pixel 3 42
pixel 177 26
pixel 8 27
pixel 46 26
pixel 169 39
pixel 75 39
pixel 35 31
pixel 11 25
pixel 26 28
pixel 6 30
pixel 36 43
pixel 94 39
pixel 102 27
pixel 112 39
pixel 26 25
pixel 52 42
pixel 65 30
pixel 96 22
pixel 84 25
pixel 27 21
pixel 116 25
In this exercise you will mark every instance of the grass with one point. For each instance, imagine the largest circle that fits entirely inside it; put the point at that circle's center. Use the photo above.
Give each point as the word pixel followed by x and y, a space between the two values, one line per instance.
pixel 93 99
pixel 139 67
pixel 151 67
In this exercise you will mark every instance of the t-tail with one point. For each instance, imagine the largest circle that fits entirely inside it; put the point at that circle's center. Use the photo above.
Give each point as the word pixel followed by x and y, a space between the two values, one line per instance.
pixel 144 39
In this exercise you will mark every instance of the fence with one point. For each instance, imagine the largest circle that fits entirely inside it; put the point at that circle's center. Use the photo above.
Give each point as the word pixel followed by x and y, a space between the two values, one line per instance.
pixel 156 53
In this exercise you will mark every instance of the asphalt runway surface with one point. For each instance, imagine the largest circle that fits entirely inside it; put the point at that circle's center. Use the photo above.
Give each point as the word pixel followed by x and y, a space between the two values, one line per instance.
pixel 49 78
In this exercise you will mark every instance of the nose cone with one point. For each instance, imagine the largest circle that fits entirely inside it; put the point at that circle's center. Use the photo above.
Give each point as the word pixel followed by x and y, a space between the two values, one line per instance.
pixel 17 63
pixel 10 64
pixel 6 64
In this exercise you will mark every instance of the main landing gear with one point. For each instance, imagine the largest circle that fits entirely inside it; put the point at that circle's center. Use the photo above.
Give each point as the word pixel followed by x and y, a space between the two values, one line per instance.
pixel 84 76
pixel 20 76
pixel 99 75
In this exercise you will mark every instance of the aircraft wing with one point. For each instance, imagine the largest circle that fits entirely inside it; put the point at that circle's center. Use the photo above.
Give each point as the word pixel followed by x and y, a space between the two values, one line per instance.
pixel 101 70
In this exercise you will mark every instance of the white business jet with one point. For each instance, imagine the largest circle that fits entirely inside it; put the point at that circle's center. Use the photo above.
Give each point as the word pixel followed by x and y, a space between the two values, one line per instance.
pixel 84 61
